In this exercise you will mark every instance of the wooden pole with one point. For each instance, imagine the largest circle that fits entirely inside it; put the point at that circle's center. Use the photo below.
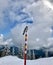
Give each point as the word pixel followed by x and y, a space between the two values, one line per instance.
pixel 25 49
pixel 25 46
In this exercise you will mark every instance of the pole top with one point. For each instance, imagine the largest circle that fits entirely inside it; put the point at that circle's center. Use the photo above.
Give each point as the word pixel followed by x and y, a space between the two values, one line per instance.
pixel 25 30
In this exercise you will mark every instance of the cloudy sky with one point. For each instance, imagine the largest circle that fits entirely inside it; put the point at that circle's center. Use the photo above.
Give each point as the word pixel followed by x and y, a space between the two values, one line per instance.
pixel 37 14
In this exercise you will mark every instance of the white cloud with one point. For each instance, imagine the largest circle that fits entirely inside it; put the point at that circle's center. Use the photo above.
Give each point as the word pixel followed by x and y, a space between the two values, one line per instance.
pixel 3 5
pixel 9 10
pixel 48 4
pixel 42 20
pixel 5 42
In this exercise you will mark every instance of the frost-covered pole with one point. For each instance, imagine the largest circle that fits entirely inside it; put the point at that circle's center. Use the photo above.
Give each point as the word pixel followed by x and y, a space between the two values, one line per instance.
pixel 25 46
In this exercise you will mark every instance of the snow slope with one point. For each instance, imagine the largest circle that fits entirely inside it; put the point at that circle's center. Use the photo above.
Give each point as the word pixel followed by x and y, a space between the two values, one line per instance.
pixel 12 60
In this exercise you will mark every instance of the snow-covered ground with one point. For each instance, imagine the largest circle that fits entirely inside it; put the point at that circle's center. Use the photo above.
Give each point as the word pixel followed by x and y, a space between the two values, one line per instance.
pixel 13 60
